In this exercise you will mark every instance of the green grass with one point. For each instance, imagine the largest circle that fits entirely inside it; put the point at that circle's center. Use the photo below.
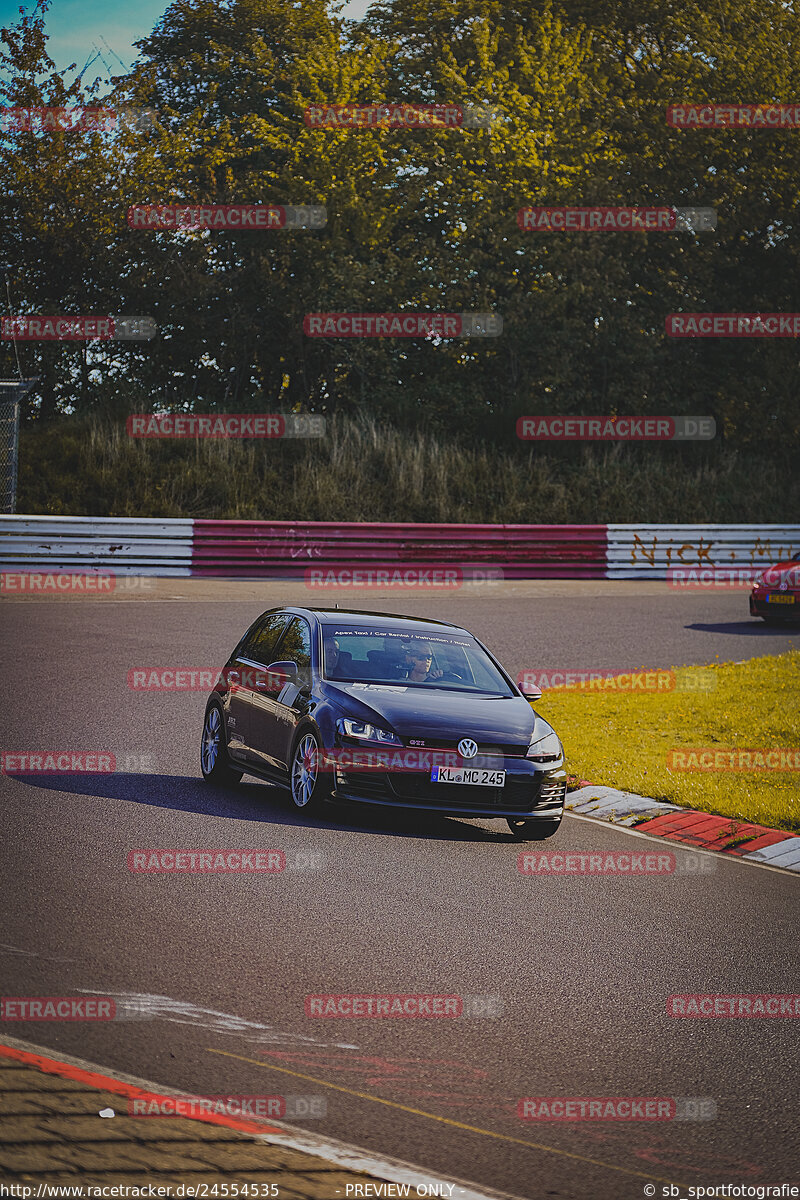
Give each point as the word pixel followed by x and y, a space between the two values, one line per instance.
pixel 622 740
pixel 368 470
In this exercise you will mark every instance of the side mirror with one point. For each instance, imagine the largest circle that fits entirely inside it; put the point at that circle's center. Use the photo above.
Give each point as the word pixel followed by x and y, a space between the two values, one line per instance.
pixel 532 694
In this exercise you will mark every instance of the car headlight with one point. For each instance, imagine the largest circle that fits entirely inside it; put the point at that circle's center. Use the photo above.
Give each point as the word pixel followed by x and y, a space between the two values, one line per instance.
pixel 547 749
pixel 366 732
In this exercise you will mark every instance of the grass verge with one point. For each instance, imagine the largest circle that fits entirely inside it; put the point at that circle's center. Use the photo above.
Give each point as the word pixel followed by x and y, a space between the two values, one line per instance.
pixel 622 739
pixel 368 470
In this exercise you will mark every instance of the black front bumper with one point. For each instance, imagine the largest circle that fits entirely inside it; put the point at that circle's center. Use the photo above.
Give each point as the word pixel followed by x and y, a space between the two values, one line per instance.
pixel 538 794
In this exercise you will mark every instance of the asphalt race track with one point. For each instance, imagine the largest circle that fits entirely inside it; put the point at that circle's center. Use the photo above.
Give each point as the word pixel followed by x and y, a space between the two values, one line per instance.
pixel 375 902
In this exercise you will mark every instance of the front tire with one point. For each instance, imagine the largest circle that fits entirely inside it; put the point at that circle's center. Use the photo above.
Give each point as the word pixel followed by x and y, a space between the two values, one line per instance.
pixel 531 831
pixel 214 761
pixel 309 785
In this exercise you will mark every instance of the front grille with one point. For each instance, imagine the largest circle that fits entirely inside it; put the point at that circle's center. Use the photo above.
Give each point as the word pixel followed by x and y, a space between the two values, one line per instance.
pixel 517 794
pixel 489 749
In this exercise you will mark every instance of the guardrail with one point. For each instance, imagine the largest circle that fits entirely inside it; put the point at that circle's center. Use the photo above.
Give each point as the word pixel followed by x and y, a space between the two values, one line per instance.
pixel 125 545
pixel 286 549
pixel 650 551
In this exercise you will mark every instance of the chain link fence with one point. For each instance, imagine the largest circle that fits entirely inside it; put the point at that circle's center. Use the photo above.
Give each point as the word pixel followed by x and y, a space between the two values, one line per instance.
pixel 11 393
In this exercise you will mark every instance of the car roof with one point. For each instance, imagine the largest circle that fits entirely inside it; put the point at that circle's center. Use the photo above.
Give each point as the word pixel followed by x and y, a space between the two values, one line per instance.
pixel 380 620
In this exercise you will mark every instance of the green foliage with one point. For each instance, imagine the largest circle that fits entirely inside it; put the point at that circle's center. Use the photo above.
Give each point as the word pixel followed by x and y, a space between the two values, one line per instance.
pixel 365 470
pixel 421 219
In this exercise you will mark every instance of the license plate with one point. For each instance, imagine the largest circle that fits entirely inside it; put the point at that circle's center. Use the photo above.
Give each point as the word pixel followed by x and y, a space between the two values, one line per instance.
pixel 474 776
pixel 772 598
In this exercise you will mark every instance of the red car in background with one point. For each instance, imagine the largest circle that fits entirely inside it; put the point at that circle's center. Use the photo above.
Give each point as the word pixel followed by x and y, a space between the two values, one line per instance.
pixel 776 593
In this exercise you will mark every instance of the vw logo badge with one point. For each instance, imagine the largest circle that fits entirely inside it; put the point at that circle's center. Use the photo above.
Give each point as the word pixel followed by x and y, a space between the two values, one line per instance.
pixel 467 748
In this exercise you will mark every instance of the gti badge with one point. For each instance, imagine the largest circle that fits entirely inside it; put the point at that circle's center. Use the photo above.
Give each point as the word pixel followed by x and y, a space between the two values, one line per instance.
pixel 467 748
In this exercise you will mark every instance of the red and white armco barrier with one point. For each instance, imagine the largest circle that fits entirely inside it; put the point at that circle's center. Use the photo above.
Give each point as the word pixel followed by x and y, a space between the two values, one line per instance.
pixel 287 549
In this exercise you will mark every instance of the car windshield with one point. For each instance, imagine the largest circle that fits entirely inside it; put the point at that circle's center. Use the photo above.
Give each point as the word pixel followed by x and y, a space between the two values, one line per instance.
pixel 448 661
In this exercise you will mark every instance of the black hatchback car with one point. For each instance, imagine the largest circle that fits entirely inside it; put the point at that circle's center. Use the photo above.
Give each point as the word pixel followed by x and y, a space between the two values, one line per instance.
pixel 383 709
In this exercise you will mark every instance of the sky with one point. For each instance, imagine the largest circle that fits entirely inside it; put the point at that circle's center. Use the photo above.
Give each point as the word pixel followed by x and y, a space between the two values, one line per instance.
pixel 75 25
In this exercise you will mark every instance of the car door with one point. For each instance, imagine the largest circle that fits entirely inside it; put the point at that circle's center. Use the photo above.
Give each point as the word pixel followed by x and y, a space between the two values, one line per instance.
pixel 246 677
pixel 277 708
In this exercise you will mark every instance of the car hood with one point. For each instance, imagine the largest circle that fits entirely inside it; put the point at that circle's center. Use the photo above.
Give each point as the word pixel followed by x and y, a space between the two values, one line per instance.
pixel 779 574
pixel 442 716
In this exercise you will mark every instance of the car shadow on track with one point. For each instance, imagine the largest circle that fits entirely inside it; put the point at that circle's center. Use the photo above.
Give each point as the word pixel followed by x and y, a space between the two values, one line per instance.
pixel 747 627
pixel 262 802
